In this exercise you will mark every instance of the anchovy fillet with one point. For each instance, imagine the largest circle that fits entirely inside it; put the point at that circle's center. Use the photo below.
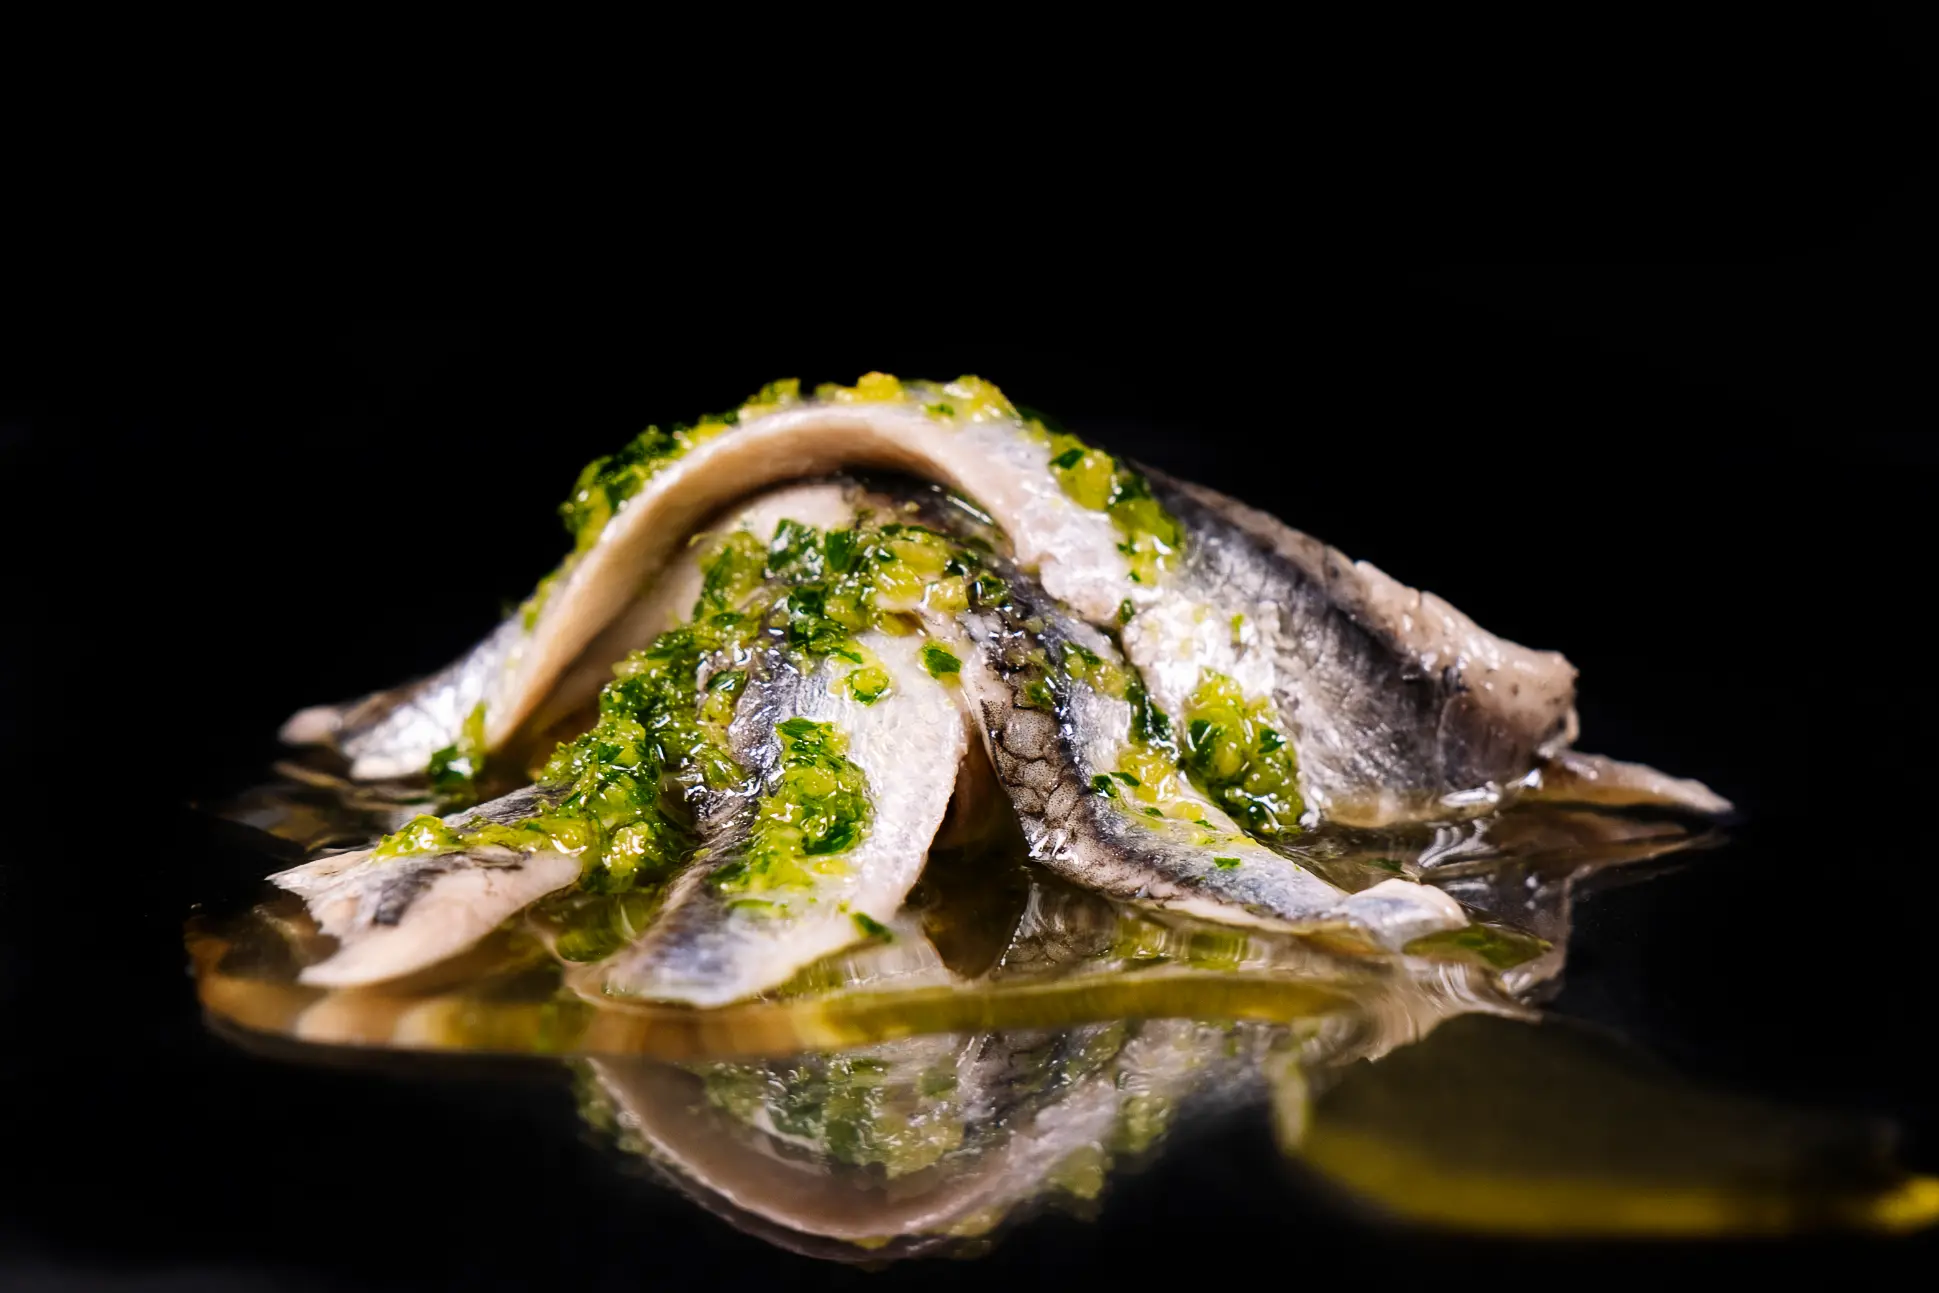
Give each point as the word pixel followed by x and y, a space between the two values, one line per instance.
pixel 1057 765
pixel 712 944
pixel 1398 705
pixel 394 916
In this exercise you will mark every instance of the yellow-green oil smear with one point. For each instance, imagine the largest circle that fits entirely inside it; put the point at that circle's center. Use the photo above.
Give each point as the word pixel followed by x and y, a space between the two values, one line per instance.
pixel 775 1029
pixel 1555 1130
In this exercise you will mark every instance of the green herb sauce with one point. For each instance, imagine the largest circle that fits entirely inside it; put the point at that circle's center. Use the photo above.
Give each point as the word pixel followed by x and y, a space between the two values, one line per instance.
pixel 940 661
pixel 819 810
pixel 454 771
pixel 1243 765
pixel 605 483
pixel 594 926
pixel 868 684
pixel 623 786
pixel 1094 479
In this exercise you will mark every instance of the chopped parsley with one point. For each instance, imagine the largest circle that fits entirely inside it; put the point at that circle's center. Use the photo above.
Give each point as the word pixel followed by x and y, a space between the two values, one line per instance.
pixel 940 661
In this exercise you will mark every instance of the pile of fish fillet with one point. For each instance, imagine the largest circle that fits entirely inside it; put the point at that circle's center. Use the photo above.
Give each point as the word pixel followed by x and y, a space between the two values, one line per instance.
pixel 1401 712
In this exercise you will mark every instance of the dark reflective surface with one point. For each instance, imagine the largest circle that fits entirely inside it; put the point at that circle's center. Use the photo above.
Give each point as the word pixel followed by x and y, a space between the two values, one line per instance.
pixel 148 1149
pixel 367 1167
pixel 1016 1044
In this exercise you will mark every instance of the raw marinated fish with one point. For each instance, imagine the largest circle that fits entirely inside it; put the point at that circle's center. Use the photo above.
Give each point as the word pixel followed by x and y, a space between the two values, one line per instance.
pixel 1172 690
pixel 1394 706
pixel 1057 745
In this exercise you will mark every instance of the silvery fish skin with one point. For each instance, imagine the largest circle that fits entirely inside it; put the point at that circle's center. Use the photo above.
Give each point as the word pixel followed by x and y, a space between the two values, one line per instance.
pixel 1397 705
pixel 1050 762
pixel 394 916
pixel 708 947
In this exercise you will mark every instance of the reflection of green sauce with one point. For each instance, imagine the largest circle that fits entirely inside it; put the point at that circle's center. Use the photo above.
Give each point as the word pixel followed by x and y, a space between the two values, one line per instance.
pixel 1142 1121
pixel 1143 942
pixel 1488 945
pixel 855 1108
pixel 940 662
pixel 594 926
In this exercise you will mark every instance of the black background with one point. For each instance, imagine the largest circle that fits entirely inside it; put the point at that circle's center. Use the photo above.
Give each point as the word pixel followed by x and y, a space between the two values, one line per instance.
pixel 1702 466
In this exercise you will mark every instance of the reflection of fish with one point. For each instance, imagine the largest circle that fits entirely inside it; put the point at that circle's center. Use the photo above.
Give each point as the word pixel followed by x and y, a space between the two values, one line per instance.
pixel 898 1149
pixel 910 1145
pixel 1396 705
pixel 730 929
